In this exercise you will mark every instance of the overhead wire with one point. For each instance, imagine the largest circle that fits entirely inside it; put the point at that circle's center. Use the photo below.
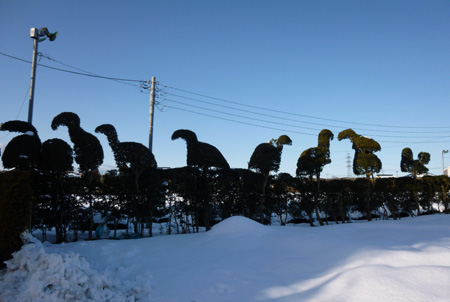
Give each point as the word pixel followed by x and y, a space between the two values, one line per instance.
pixel 303 122
pixel 87 74
pixel 302 115
pixel 279 129
pixel 289 125
pixel 143 84
pixel 239 122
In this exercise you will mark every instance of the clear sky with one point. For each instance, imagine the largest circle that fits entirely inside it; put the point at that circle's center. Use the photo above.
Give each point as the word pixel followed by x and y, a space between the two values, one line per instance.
pixel 381 68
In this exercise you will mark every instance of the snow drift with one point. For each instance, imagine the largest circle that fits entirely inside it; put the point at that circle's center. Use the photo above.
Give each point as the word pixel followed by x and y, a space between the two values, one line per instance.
pixel 242 260
pixel 35 275
pixel 239 226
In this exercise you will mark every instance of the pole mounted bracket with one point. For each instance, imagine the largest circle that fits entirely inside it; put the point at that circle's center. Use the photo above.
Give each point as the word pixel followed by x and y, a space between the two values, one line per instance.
pixel 42 34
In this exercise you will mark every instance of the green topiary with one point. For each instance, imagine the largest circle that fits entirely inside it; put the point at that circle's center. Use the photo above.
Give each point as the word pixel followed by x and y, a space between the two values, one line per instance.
pixel 15 211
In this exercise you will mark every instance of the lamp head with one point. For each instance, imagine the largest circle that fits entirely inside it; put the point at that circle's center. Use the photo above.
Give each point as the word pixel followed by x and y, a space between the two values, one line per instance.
pixel 42 34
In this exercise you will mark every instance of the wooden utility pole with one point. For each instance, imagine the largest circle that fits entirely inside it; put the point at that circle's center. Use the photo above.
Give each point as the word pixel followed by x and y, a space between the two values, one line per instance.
pixel 152 107
pixel 35 35
pixel 38 35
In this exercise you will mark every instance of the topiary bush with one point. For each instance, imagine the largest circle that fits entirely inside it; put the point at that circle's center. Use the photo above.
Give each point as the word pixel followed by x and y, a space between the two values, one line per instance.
pixel 15 211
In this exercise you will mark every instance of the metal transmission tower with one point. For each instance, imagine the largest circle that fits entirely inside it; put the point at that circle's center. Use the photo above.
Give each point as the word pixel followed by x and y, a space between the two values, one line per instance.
pixel 349 166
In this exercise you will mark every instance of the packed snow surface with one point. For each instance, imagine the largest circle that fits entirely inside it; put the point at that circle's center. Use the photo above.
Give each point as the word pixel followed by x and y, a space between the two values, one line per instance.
pixel 241 260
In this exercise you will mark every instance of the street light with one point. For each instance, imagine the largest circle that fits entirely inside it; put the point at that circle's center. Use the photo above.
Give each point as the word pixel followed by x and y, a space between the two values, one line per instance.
pixel 39 35
pixel 443 167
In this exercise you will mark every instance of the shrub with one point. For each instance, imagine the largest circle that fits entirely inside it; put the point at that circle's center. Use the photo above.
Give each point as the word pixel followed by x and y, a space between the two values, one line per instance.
pixel 15 211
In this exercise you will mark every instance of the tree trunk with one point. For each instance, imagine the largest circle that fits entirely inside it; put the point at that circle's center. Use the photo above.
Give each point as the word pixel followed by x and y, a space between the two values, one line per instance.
pixel 207 215
pixel 316 200
pixel 58 227
pixel 91 205
pixel 150 216
pixel 341 207
pixel 91 217
pixel 311 221
pixel 392 209
pixel 367 198
pixel 444 199
pixel 263 200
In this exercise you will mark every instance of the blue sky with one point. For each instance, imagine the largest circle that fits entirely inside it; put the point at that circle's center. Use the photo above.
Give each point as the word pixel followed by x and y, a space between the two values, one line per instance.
pixel 381 68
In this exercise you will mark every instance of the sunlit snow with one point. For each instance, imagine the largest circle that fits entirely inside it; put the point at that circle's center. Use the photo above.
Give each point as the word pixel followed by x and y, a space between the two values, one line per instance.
pixel 241 260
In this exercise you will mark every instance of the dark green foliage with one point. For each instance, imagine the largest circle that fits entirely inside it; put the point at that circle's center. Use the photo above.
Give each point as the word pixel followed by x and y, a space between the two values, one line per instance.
pixel 56 160
pixel 312 160
pixel 23 151
pixel 415 167
pixel 267 156
pixel 187 183
pixel 18 126
pixel 88 154
pixel 15 210
pixel 197 195
pixel 200 154
pixel 134 155
pixel 239 192
pixel 442 187
pixel 137 166
pixel 56 157
pixel 362 143
pixel 282 195
pixel 87 148
pixel 282 140
pixel 389 188
pixel 365 162
pixel 265 159
pixel 337 198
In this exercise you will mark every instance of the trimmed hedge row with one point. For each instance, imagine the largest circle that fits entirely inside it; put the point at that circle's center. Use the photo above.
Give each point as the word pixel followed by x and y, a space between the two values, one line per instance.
pixel 16 196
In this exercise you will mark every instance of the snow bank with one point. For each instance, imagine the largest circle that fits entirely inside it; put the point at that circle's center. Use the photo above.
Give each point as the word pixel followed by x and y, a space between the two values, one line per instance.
pixel 35 275
pixel 238 225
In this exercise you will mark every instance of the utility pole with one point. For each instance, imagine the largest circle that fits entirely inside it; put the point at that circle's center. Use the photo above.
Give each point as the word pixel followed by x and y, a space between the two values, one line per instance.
pixel 152 107
pixel 38 35
pixel 35 35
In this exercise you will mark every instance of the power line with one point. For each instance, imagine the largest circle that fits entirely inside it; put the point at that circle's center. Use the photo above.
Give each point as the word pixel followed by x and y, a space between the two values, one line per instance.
pixel 241 116
pixel 143 84
pixel 297 114
pixel 284 130
pixel 303 122
pixel 239 122
pixel 23 102
pixel 289 125
pixel 87 72
pixel 78 73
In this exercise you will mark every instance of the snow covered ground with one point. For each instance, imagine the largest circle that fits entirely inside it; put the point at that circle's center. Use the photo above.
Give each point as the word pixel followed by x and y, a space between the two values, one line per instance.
pixel 241 260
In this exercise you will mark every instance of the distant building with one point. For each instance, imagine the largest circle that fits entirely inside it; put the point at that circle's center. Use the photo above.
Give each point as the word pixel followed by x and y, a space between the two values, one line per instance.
pixel 447 171
pixel 384 176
